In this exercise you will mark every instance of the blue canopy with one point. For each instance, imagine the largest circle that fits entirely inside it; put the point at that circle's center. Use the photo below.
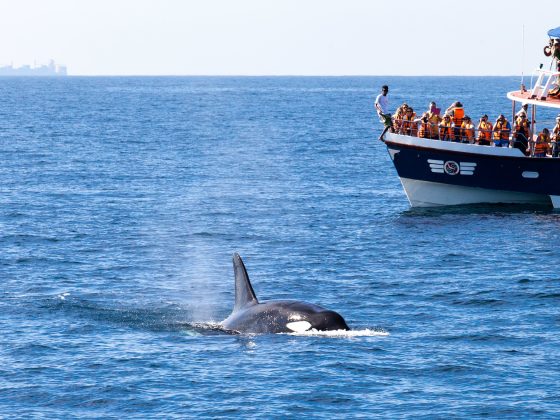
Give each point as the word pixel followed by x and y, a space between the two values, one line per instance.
pixel 554 33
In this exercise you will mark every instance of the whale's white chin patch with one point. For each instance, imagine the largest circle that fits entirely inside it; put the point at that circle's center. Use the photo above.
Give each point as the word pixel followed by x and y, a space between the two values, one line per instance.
pixel 298 326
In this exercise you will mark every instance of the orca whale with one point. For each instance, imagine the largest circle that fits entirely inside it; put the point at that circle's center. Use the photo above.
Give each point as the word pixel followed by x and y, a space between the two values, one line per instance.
pixel 275 316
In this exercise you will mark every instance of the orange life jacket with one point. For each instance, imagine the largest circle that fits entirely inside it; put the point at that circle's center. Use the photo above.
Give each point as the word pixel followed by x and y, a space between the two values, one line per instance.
pixel 397 121
pixel 467 131
pixel 458 114
pixel 485 130
pixel 409 127
pixel 501 132
pixel 446 130
pixel 425 130
pixel 541 146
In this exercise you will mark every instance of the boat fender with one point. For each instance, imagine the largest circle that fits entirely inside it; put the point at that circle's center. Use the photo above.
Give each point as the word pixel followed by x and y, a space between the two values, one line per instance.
pixel 547 51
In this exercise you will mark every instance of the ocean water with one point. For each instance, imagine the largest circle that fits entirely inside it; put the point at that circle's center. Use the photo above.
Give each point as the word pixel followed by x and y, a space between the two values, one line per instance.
pixel 123 199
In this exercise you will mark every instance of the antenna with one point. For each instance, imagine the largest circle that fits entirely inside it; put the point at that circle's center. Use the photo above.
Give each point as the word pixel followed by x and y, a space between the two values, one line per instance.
pixel 522 55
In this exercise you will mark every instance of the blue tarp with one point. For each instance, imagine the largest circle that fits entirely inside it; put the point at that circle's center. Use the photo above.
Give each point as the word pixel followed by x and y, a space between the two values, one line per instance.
pixel 554 33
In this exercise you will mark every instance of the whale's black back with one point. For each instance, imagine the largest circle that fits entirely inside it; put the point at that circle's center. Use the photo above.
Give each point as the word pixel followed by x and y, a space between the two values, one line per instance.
pixel 250 316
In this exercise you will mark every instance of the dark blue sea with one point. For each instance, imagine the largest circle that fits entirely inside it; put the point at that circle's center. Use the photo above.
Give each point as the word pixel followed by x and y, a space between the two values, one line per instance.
pixel 122 201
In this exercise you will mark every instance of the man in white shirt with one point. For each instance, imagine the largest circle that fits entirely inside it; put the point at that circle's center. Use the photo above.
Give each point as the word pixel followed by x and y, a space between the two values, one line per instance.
pixel 382 107
pixel 523 110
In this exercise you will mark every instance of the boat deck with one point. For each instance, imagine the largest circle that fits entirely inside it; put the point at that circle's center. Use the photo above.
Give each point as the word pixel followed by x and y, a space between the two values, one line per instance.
pixel 519 96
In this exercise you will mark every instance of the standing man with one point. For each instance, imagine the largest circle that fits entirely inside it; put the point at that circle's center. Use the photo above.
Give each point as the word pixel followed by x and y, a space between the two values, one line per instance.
pixel 382 107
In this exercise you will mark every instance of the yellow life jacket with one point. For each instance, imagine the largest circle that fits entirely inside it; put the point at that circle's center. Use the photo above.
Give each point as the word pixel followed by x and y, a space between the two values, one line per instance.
pixel 522 126
pixel 501 132
pixel 485 130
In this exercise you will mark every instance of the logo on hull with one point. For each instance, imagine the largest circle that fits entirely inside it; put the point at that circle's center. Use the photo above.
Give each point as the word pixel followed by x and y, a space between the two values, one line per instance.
pixel 450 167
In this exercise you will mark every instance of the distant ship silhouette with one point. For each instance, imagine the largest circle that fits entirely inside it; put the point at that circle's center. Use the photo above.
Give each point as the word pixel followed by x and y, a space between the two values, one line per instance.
pixel 51 69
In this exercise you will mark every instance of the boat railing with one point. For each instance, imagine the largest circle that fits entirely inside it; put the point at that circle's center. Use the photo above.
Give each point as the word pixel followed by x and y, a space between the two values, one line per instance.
pixel 473 135
pixel 546 80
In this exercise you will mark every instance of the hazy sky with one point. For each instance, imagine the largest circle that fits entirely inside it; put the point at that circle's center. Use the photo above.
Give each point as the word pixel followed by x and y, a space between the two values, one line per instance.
pixel 278 37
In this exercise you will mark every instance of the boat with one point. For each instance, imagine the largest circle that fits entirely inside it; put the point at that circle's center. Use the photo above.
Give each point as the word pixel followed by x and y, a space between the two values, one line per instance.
pixel 440 172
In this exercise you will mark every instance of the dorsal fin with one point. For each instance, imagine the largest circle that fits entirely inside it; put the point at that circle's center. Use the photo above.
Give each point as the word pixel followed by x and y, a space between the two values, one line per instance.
pixel 244 293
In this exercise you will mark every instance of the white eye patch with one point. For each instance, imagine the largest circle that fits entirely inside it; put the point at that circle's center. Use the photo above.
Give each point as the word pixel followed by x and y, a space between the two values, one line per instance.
pixel 298 326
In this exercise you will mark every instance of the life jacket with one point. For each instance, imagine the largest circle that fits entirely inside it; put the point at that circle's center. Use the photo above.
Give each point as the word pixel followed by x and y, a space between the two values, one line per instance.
pixel 541 146
pixel 446 130
pixel 501 132
pixel 425 130
pixel 485 130
pixel 409 127
pixel 434 120
pixel 397 121
pixel 458 114
pixel 522 127
pixel 467 130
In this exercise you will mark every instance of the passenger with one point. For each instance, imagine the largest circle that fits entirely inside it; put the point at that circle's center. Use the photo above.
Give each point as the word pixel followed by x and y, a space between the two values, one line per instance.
pixel 425 129
pixel 555 51
pixel 522 111
pixel 398 118
pixel 410 124
pixel 542 143
pixel 484 131
pixel 467 130
pixel 520 136
pixel 432 108
pixel 382 108
pixel 457 113
pixel 555 139
pixel 434 119
pixel 502 129
pixel 446 129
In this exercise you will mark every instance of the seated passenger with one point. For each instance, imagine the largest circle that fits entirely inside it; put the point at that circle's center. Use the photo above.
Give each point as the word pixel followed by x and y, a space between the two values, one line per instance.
pixel 555 140
pixel 484 131
pixel 467 130
pixel 446 129
pixel 398 118
pixel 410 125
pixel 542 143
pixel 520 135
pixel 425 129
pixel 502 129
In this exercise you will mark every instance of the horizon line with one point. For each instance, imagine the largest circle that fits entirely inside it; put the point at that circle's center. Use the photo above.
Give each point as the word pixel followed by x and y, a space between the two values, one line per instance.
pixel 268 75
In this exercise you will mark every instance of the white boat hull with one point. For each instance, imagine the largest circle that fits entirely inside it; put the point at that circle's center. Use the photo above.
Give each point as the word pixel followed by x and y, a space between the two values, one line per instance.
pixel 432 194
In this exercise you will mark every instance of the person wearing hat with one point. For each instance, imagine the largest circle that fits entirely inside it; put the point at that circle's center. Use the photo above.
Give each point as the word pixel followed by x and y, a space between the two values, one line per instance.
pixel 555 139
pixel 502 128
pixel 467 130
pixel 523 110
pixel 382 108
pixel 484 128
